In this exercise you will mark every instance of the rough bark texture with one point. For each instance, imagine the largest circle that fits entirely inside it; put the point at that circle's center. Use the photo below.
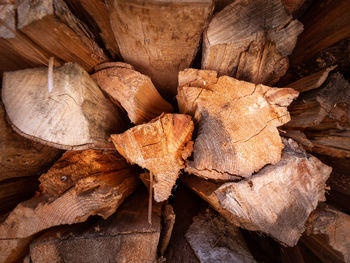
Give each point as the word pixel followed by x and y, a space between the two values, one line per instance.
pixel 19 156
pixel 237 121
pixel 74 115
pixel 328 235
pixel 213 239
pixel 79 185
pixel 322 118
pixel 133 90
pixel 277 200
pixel 159 37
pixel 124 237
pixel 250 40
pixel 51 25
pixel 161 146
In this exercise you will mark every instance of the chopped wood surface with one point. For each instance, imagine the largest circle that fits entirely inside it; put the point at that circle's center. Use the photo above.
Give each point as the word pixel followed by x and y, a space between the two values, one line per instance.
pixel 237 121
pixel 159 38
pixel 75 115
pixel 161 146
pixel 133 90
pixel 251 40
pixel 277 200
pixel 124 237
pixel 213 239
pixel 51 25
pixel 168 221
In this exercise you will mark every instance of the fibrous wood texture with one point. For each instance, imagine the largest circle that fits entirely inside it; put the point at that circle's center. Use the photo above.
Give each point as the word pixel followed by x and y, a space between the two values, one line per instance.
pixel 328 235
pixel 19 156
pixel 159 38
pixel 51 25
pixel 213 239
pixel 250 40
pixel 75 115
pixel 133 90
pixel 277 200
pixel 321 118
pixel 80 184
pixel 124 237
pixel 237 121
pixel 161 146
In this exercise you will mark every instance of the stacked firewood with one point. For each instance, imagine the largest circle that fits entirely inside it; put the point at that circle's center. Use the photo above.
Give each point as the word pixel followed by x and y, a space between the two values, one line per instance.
pixel 116 108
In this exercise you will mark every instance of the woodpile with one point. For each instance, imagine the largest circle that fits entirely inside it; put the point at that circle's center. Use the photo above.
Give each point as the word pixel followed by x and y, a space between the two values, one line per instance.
pixel 174 131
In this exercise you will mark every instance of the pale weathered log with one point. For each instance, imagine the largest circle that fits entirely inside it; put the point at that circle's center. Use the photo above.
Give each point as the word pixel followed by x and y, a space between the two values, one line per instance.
pixel 237 121
pixel 124 237
pixel 213 239
pixel 328 235
pixel 95 14
pixel 19 156
pixel 133 90
pixel 277 200
pixel 159 38
pixel 251 40
pixel 322 118
pixel 74 115
pixel 80 184
pixel 161 146
pixel 51 25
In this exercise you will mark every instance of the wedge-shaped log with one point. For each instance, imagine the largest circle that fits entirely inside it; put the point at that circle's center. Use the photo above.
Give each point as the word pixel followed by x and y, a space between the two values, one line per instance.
pixel 277 200
pixel 213 239
pixel 19 156
pixel 161 146
pixel 237 121
pixel 320 118
pixel 125 236
pixel 251 40
pixel 328 234
pixel 80 184
pixel 155 36
pixel 74 115
pixel 51 25
pixel 133 90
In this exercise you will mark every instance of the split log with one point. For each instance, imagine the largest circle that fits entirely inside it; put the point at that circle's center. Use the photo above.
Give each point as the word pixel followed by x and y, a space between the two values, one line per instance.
pixel 168 221
pixel 155 36
pixel 328 235
pixel 322 118
pixel 161 146
pixel 95 14
pixel 277 200
pixel 51 25
pixel 19 156
pixel 74 115
pixel 124 237
pixel 213 239
pixel 293 5
pixel 251 40
pixel 228 148
pixel 133 90
pixel 79 185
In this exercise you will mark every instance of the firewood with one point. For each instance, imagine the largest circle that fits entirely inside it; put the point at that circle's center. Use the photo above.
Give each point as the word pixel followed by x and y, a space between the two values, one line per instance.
pixel 293 5
pixel 161 146
pixel 124 237
pixel 133 90
pixel 51 25
pixel 326 23
pixel 213 239
pixel 155 36
pixel 19 156
pixel 168 221
pixel 13 250
pixel 95 14
pixel 80 184
pixel 237 121
pixel 75 115
pixel 277 200
pixel 328 235
pixel 250 40
pixel 322 116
